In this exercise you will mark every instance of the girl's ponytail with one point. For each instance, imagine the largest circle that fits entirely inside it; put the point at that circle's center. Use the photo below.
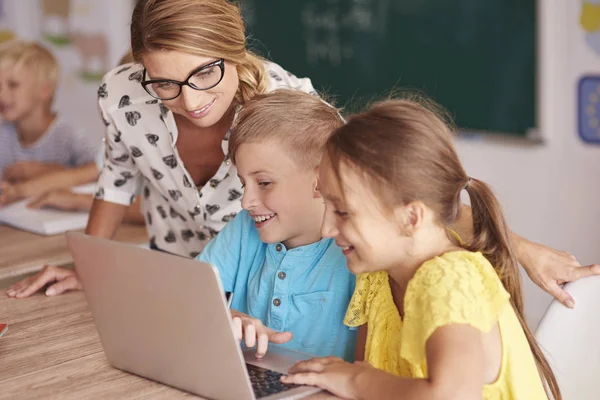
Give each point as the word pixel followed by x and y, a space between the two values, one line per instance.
pixel 491 237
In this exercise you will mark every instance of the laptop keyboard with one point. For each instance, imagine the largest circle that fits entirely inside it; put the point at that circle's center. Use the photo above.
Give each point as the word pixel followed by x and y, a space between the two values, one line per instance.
pixel 266 382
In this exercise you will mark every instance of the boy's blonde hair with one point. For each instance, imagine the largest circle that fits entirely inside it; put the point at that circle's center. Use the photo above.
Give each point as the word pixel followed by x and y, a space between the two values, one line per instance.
pixel 300 122
pixel 207 28
pixel 34 57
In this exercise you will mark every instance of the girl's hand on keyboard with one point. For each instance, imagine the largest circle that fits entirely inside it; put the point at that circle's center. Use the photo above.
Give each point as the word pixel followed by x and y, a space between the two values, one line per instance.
pixel 331 374
pixel 255 333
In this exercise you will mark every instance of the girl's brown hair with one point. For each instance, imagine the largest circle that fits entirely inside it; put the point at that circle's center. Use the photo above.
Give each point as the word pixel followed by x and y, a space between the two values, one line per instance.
pixel 404 150
pixel 208 28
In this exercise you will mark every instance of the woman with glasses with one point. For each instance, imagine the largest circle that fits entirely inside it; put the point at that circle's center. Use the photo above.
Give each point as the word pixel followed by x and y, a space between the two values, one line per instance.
pixel 168 118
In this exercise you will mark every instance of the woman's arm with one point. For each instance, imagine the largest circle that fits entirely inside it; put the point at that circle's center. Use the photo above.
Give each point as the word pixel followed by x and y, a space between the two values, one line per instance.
pixel 64 199
pixel 133 214
pixel 105 218
pixel 57 179
pixel 23 171
pixel 547 268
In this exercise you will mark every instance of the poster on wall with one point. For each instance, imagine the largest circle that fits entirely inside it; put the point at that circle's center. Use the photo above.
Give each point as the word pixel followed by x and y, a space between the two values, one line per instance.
pixel 79 26
pixel 588 91
pixel 6 33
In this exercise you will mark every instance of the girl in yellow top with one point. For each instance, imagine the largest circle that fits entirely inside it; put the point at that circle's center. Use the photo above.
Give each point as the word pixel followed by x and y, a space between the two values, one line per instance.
pixel 439 319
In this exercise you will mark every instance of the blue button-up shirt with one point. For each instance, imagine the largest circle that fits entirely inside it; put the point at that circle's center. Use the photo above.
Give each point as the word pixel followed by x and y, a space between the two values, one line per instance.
pixel 305 290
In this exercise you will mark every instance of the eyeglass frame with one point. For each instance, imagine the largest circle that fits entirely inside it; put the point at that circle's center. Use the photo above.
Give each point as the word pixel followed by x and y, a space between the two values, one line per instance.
pixel 220 63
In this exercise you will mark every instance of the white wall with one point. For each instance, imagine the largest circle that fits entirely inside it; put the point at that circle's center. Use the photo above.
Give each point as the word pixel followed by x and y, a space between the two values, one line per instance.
pixel 550 192
pixel 76 99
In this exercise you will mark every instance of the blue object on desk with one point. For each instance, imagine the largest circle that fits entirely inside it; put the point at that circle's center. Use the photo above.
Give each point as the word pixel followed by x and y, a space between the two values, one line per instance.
pixel 588 109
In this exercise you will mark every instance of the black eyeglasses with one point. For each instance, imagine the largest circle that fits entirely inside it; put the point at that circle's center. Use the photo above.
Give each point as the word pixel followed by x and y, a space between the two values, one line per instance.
pixel 202 78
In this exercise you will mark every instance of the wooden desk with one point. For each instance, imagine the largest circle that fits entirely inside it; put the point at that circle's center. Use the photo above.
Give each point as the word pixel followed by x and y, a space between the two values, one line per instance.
pixel 52 350
pixel 24 252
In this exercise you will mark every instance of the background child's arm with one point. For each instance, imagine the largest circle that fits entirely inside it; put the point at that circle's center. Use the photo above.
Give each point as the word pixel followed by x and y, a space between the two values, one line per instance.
pixel 547 268
pixel 23 171
pixel 56 179
pixel 64 199
pixel 455 360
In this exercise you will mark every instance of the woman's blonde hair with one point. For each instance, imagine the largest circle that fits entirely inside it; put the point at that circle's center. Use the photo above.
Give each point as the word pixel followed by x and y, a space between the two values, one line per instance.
pixel 208 28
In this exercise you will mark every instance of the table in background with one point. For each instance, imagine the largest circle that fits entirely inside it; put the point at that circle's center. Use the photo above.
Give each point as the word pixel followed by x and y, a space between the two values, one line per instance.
pixel 24 252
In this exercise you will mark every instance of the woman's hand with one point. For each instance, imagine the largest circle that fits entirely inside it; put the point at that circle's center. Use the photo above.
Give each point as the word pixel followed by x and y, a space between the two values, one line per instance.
pixel 62 280
pixel 255 333
pixel 25 170
pixel 550 269
pixel 329 373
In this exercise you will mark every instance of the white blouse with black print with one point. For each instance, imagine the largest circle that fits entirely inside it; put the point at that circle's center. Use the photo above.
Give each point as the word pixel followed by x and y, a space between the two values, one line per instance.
pixel 141 158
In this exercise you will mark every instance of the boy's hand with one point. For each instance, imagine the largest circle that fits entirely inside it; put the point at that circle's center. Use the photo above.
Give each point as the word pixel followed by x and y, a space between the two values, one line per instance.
pixel 62 280
pixel 255 333
pixel 62 199
pixel 24 170
pixel 9 193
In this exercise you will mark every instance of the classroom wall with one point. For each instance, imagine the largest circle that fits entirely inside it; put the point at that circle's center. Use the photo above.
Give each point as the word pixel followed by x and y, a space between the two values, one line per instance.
pixel 550 192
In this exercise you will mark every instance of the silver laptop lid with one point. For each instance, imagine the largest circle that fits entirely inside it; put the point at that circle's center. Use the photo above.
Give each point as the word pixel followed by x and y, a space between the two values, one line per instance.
pixel 152 318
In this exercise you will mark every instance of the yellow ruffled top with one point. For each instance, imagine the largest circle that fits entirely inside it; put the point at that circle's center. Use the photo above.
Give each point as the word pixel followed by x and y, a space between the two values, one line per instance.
pixel 458 287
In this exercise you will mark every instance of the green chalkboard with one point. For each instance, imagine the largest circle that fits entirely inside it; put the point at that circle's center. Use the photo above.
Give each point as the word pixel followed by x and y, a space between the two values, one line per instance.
pixel 475 57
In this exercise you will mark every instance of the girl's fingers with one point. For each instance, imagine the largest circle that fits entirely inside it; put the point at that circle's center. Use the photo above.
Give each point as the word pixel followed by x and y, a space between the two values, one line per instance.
pixel 305 378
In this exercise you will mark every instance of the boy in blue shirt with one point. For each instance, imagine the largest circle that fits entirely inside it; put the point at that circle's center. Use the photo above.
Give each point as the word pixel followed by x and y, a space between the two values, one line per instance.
pixel 291 286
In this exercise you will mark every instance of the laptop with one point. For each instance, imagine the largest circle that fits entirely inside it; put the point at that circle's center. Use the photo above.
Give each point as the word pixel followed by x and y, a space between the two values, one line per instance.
pixel 165 318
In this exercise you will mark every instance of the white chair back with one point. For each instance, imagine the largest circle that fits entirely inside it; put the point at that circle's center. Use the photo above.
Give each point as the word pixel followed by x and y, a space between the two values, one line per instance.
pixel 571 340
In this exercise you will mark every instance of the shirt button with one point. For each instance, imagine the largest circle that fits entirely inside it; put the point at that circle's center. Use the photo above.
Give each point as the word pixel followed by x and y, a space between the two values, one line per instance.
pixel 197 209
pixel 227 162
pixel 278 247
pixel 281 275
pixel 276 302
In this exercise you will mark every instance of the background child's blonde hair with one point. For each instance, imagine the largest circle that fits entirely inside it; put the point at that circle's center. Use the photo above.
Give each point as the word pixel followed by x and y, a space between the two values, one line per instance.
pixel 207 28
pixel 34 57
pixel 301 123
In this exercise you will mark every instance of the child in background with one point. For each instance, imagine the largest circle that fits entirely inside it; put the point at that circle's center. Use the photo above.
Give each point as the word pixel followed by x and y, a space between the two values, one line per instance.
pixel 290 285
pixel 67 200
pixel 34 141
pixel 438 318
